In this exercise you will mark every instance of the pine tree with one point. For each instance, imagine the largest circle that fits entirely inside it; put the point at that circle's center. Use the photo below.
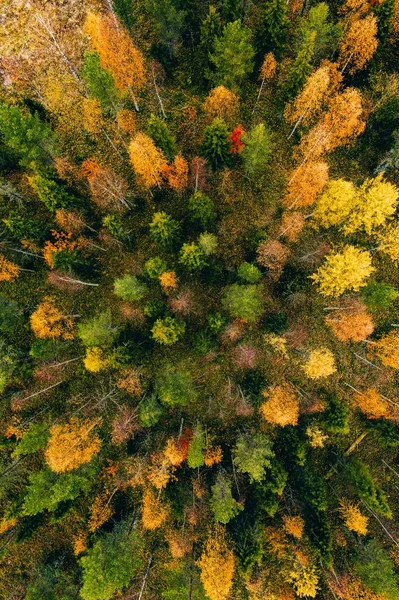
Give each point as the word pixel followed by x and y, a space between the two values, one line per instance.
pixel 276 23
pixel 301 67
pixel 233 55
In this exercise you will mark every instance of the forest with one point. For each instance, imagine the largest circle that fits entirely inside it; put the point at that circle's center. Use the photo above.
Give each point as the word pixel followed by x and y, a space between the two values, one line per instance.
pixel 199 299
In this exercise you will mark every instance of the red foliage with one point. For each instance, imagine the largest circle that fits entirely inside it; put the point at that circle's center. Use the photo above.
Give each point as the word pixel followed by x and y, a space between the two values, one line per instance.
pixel 235 138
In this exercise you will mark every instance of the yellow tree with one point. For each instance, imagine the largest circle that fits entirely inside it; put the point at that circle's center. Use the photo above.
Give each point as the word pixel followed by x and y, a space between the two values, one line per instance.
pixel 372 404
pixel 217 564
pixel 343 271
pixel 153 510
pixel 320 363
pixel 267 71
pixel 293 525
pixel 387 349
pixel 95 361
pixel 336 203
pixel 389 242
pixel 281 406
pixel 47 321
pixel 354 520
pixel 117 53
pixel 9 271
pixel 148 162
pixel 351 322
pixel 306 182
pixel 358 43
pixel 221 103
pixel 72 444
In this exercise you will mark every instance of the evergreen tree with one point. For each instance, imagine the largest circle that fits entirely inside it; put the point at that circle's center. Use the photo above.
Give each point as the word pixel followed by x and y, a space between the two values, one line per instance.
pixel 158 130
pixel 215 145
pixel 233 55
pixel 275 26
pixel 223 505
pixel 301 67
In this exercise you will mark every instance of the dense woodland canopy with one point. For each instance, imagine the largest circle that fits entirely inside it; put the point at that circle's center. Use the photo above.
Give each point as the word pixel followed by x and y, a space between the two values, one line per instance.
pixel 199 299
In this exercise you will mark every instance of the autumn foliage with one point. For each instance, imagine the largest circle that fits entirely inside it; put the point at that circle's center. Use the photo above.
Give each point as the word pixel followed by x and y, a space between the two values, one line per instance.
pixel 72 444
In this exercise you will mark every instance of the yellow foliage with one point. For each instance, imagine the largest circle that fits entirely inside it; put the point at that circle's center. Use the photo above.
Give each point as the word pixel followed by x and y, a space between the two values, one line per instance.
pixel 277 342
pixel 310 100
pixel 8 270
pixel 316 436
pixel 342 271
pixel 7 523
pixel 304 580
pixel 221 103
pixel 92 115
pixel 126 120
pixel 372 403
pixel 94 361
pixel 71 445
pixel 354 520
pixel 153 513
pixel 213 456
pixel 100 512
pixel 282 405
pixel 389 242
pixel 387 349
pixel 359 43
pixel 336 203
pixel 148 162
pixel 320 363
pixel 269 66
pixel 168 281
pixel 160 471
pixel 179 543
pixel 80 543
pixel 47 321
pixel 174 452
pixel 217 564
pixel 294 526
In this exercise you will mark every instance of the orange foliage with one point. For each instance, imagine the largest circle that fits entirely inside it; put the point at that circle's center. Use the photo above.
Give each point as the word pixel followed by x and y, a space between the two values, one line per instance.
pixel 176 451
pixel 213 456
pixel 282 405
pixel 176 174
pixel 221 103
pixel 148 162
pixel 308 104
pixel 372 404
pixel 9 271
pixel 160 471
pixel 291 226
pixel 69 220
pixel 352 323
pixel 349 588
pixel 130 381
pixel 62 242
pixel 126 120
pixel 273 255
pixel 48 321
pixel 71 444
pixel 235 139
pixel 154 512
pixel 387 349
pixel 294 526
pixel 168 281
pixel 359 43
pixel 307 181
pixel 217 564
pixel 7 523
pixel 269 66
pixel 179 543
pixel 100 512
pixel 80 543
pixel 108 189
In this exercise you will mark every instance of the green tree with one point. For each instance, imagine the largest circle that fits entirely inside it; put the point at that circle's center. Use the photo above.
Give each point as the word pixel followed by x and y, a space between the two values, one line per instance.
pixel 159 131
pixel 201 208
pixel 336 416
pixel 130 288
pixel 98 331
pixel 99 82
pixel 111 563
pixel 164 229
pixel 377 570
pixel 222 503
pixel 192 256
pixel 249 272
pixel 196 449
pixel 52 194
pixel 361 479
pixel 327 33
pixel 215 145
pixel 168 22
pixel 208 243
pixel 301 67
pixel 233 55
pixel 275 26
pixel 379 295
pixel 244 301
pixel 257 150
pixel 33 439
pixel 211 28
pixel 150 411
pixel 168 331
pixel 175 387
pixel 252 454
pixel 154 267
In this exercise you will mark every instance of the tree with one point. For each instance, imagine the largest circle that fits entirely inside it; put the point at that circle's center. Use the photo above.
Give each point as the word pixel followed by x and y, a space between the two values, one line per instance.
pixel 222 503
pixel 197 448
pixel 192 256
pixel 148 162
pixel 177 174
pixel 351 323
pixel 378 296
pixel 294 525
pixel 163 139
pixel 95 361
pixel 292 224
pixel 281 405
pixel 221 103
pixel 249 273
pixel 98 331
pixel 217 565
pixel 215 145
pixel 342 271
pixel 306 182
pixel 201 208
pixel 130 288
pixel 336 203
pixel 361 480
pixel 99 82
pixel 72 444
pixel 301 67
pixel 111 563
pixel 47 321
pixel 9 271
pixel 257 150
pixel 168 22
pixel 244 301
pixel 273 255
pixel 175 387
pixel 252 454
pixel 168 281
pixel 320 363
pixel 372 403
pixel 50 193
pixel 359 43
pixel 387 349
pixel 168 331
pixel 389 242
pixel 235 138
pixel 327 33
pixel 117 53
pixel 276 23
pixel 233 55
pixel 108 189
pixel 377 570
pixel 354 520
pixel 154 512
pixel 164 230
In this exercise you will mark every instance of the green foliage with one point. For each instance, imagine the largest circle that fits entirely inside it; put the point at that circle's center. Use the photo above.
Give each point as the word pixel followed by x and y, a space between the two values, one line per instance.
pixel 10 315
pixel 244 301
pixel 379 296
pixel 111 563
pixel 249 272
pixel 377 570
pixel 46 490
pixel 98 331
pixel 215 145
pixel 208 243
pixel 327 33
pixel 154 267
pixel 252 454
pixel 361 479
pixel 211 28
pixel 51 193
pixel 167 20
pixel 114 224
pixel 99 82
pixel 196 448
pixel 192 256
pixel 159 131
pixel 26 135
pixel 301 67
pixel 181 581
pixel 23 227
pixel 175 387
pixel 233 55
pixel 275 23
pixel 130 288
pixel 164 230
pixel 168 331
pixel 201 208
pixel 313 488
pixel 223 505
pixel 33 439
pixel 150 411
pixel 216 322
pixel 336 416
pixel 257 150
